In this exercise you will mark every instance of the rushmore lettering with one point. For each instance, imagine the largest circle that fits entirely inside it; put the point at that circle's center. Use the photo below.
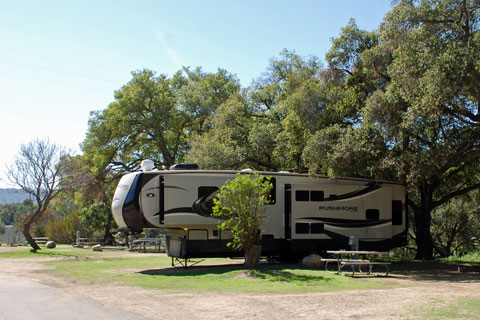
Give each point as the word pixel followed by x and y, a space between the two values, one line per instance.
pixel 338 208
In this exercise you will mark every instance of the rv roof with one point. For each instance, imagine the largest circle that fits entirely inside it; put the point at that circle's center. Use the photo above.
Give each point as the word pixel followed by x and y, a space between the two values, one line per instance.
pixel 272 173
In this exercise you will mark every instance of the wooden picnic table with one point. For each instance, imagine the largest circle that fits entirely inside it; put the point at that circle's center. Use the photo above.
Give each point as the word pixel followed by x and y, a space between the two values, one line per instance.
pixel 142 243
pixel 345 258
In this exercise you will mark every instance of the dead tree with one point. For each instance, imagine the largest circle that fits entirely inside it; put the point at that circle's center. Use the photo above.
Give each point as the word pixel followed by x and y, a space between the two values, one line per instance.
pixel 37 171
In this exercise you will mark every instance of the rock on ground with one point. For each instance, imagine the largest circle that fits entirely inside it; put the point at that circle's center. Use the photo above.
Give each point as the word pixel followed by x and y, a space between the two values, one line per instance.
pixel 51 244
pixel 312 261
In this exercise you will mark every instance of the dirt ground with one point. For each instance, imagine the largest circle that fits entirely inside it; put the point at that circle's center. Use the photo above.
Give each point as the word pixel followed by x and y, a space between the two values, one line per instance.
pixel 418 291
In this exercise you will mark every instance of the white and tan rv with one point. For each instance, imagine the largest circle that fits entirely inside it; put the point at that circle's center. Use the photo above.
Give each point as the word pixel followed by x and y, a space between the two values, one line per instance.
pixel 305 215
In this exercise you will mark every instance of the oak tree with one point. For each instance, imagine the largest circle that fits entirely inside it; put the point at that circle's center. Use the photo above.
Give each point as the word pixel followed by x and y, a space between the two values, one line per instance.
pixel 419 120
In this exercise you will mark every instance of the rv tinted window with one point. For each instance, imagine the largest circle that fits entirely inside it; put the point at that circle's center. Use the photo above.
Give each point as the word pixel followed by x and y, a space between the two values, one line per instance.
pixel 372 214
pixel 302 195
pixel 302 228
pixel 317 195
pixel 316 228
pixel 132 192
pixel 397 210
pixel 205 191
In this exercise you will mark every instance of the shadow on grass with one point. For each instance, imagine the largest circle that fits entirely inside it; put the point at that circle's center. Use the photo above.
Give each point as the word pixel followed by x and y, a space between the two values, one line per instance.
pixel 279 275
pixel 274 273
pixel 433 271
pixel 192 271
pixel 415 270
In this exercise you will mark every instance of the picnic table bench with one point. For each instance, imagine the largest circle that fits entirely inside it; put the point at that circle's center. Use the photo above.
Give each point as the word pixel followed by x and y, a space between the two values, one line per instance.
pixel 41 240
pixel 344 258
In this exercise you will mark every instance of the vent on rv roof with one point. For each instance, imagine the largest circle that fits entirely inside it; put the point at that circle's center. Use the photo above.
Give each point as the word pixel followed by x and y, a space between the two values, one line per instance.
pixel 184 166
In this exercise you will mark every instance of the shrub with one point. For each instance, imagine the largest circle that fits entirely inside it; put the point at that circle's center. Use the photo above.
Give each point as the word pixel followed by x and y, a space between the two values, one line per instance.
pixel 63 229
pixel 241 205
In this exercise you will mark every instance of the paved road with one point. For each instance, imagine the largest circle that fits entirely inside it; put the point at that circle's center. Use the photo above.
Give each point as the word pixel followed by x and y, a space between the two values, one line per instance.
pixel 27 299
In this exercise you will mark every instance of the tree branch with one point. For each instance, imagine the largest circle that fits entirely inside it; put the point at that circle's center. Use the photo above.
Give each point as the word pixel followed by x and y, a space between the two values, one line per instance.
pixel 454 194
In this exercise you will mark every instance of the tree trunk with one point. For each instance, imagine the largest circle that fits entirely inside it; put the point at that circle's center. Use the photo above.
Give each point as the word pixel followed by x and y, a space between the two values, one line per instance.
pixel 108 238
pixel 423 236
pixel 252 257
pixel 28 236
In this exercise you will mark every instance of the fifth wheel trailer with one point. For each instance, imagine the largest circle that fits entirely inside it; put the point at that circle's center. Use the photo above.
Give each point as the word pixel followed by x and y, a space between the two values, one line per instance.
pixel 305 215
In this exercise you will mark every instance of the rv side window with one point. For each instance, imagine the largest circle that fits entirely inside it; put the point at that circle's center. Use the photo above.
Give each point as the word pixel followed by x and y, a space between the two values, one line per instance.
pixel 372 214
pixel 317 195
pixel 302 228
pixel 205 191
pixel 133 189
pixel 316 228
pixel 397 210
pixel 302 195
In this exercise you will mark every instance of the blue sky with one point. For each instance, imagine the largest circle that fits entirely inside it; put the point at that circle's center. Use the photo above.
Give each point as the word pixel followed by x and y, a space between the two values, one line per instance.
pixel 59 60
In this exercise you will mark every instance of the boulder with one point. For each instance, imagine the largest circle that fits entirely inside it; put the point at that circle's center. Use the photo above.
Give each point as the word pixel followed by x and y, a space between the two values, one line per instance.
pixel 51 244
pixel 97 247
pixel 312 261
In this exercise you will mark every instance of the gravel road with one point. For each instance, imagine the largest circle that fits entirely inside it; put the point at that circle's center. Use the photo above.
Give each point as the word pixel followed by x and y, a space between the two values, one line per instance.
pixel 25 299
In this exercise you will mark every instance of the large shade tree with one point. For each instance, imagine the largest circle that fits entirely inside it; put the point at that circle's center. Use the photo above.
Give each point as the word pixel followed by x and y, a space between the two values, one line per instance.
pixel 259 128
pixel 433 99
pixel 419 123
pixel 154 116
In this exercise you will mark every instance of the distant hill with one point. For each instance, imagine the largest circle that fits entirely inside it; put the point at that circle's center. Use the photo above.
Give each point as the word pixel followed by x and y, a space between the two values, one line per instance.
pixel 11 195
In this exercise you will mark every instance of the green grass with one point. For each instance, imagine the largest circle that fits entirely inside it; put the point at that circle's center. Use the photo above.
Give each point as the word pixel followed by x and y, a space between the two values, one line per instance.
pixel 212 275
pixel 150 273
pixel 466 308
pixel 60 251
pixel 470 258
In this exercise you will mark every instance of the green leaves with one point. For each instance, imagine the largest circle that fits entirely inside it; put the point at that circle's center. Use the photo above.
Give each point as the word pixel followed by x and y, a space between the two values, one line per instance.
pixel 242 204
pixel 267 126
pixel 154 117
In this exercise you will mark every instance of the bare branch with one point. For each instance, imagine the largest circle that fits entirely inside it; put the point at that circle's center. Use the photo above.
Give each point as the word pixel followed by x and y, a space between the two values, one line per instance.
pixel 36 171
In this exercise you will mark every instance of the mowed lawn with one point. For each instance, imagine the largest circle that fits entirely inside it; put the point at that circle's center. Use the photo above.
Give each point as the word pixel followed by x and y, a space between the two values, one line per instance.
pixel 154 271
